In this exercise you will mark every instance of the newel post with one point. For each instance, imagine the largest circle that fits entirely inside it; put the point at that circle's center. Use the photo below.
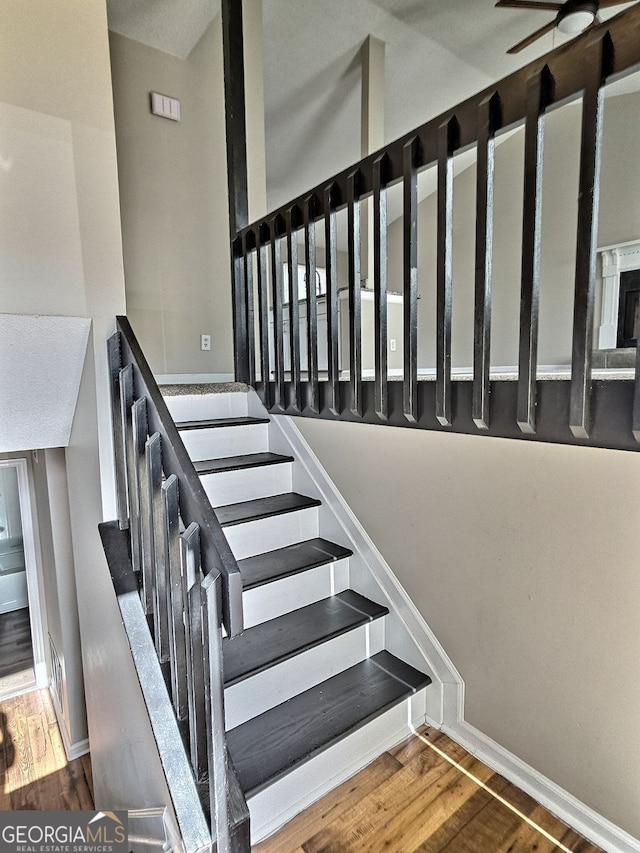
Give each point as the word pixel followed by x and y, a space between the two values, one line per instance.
pixel 236 132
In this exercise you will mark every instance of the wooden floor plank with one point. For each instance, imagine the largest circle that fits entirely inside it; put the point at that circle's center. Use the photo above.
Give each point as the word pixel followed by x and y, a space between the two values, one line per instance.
pixel 331 807
pixel 426 804
pixel 34 772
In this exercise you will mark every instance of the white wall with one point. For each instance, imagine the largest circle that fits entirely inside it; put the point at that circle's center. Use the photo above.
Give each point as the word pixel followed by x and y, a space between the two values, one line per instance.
pixel 173 189
pixel 522 558
pixel 61 248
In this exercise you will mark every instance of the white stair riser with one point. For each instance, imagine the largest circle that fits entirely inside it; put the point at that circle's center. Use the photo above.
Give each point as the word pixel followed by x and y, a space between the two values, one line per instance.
pixel 265 690
pixel 227 487
pixel 202 407
pixel 278 597
pixel 280 802
pixel 225 441
pixel 267 534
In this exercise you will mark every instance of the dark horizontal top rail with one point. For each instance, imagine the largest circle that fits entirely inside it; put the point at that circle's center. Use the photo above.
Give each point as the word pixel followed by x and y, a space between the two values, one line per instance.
pixel 194 504
pixel 566 70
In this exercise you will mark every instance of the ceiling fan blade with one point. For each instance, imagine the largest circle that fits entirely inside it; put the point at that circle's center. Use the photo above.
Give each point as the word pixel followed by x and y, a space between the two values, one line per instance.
pixel 533 37
pixel 529 4
pixel 604 4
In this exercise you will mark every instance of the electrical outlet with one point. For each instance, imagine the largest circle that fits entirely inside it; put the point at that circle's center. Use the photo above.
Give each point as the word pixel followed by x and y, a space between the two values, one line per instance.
pixel 205 342
pixel 392 344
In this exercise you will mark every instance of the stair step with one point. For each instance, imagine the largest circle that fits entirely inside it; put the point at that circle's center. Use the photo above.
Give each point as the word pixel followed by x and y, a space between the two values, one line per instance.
pixel 263 508
pixel 265 748
pixel 279 639
pixel 238 463
pixel 273 565
pixel 214 423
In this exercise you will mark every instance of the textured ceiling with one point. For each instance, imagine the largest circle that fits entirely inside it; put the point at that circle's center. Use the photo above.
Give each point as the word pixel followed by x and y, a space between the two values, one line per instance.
pixel 438 52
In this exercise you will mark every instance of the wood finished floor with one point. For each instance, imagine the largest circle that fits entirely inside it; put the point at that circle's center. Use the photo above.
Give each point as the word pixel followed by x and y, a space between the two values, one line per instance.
pixel 34 772
pixel 413 798
pixel 16 653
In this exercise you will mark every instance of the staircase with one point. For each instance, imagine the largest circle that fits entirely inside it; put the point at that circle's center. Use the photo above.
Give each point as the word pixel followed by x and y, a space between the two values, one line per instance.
pixel 312 692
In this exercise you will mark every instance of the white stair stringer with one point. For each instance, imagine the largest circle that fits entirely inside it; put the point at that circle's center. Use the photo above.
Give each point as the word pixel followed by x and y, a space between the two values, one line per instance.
pixel 272 807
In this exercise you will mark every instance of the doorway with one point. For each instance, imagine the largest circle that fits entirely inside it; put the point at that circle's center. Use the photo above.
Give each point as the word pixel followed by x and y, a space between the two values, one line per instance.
pixel 22 658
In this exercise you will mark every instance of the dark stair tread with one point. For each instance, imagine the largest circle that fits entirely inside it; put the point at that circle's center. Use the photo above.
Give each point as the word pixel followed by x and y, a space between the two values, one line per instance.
pixel 275 641
pixel 267 747
pixel 237 463
pixel 290 560
pixel 213 423
pixel 253 510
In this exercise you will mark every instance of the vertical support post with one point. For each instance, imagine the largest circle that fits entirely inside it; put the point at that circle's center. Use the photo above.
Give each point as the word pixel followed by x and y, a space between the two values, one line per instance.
pixel 115 365
pixel 236 135
pixel 214 706
pixel 294 308
pixel 312 303
pixel 160 610
pixel 537 99
pixel 587 236
pixel 278 330
pixel 250 311
pixel 447 142
pixel 140 429
pixel 190 547
pixel 488 123
pixel 410 276
pixel 126 411
pixel 263 317
pixel 177 646
pixel 355 296
pixel 331 263
pixel 380 284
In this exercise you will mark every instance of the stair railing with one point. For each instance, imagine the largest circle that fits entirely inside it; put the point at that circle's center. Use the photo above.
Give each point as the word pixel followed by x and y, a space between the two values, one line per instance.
pixel 579 68
pixel 188 580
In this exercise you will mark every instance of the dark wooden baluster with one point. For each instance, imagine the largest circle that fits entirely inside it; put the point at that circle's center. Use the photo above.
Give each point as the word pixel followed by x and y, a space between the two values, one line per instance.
pixel 115 365
pixel 380 284
pixel 140 430
pixel 160 581
pixel 249 299
pixel 488 123
pixel 312 303
pixel 133 503
pixel 355 296
pixel 635 423
pixel 177 645
pixel 587 237
pixel 294 308
pixel 447 142
pixel 537 99
pixel 263 317
pixel 410 277
pixel 331 264
pixel 211 588
pixel 278 330
pixel 240 327
pixel 190 546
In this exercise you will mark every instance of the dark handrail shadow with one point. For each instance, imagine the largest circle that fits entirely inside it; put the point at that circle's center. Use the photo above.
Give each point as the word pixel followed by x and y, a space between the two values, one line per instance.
pixel 7 749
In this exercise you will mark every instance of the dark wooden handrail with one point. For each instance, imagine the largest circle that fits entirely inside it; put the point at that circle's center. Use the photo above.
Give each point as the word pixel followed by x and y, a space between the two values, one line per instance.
pixel 579 69
pixel 194 503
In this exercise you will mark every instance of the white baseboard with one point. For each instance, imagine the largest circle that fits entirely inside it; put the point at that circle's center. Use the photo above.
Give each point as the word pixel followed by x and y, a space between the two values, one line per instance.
pixel 192 378
pixel 561 803
pixel 71 750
